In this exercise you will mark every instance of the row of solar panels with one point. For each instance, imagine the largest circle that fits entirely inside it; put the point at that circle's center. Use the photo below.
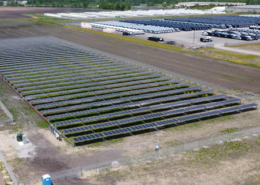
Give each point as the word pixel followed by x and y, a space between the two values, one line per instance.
pixel 119 100
pixel 27 55
pixel 39 61
pixel 18 62
pixel 87 92
pixel 128 92
pixel 38 70
pixel 90 83
pixel 148 117
pixel 125 73
pixel 85 72
pixel 143 103
pixel 54 64
pixel 100 86
pixel 156 125
pixel 34 47
pixel 67 71
pixel 57 64
pixel 50 62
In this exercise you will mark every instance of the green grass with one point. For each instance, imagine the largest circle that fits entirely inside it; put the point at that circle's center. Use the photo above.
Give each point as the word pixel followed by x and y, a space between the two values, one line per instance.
pixel 199 124
pixel 229 130
pixel 227 150
pixel 16 129
pixel 42 124
pixel 234 54
pixel 14 112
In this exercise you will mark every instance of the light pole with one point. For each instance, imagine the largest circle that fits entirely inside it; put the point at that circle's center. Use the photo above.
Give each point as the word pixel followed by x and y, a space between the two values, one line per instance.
pixel 193 37
pixel 157 142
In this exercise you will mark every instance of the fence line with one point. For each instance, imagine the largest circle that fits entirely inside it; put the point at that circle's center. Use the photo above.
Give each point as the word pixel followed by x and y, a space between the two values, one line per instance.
pixel 8 169
pixel 196 46
pixel 70 173
pixel 7 111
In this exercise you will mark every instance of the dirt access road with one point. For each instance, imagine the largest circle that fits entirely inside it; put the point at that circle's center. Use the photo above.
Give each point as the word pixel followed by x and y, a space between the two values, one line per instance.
pixel 18 12
pixel 226 74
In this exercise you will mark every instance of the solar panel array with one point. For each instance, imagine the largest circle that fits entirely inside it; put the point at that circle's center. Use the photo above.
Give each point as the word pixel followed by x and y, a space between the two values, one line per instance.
pixel 89 96
pixel 193 23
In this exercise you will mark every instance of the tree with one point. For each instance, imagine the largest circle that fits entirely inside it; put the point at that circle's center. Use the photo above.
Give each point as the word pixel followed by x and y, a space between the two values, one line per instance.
pixel 164 4
pixel 85 4
pixel 122 7
pixel 118 6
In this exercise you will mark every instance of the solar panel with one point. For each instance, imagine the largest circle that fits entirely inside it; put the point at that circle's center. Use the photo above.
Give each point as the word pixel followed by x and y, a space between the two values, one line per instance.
pixel 117 132
pixel 88 137
pixel 80 129
pixel 249 106
pixel 143 127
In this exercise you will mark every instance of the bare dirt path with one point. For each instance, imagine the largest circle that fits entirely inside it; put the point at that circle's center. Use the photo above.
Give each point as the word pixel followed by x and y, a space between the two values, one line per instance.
pixel 18 12
pixel 226 74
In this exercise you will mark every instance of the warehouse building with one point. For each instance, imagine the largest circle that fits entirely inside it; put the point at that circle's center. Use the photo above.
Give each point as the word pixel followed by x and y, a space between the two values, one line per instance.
pixel 191 4
pixel 247 8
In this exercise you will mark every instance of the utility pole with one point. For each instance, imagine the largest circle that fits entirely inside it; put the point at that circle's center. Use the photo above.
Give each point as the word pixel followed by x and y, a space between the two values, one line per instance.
pixel 193 37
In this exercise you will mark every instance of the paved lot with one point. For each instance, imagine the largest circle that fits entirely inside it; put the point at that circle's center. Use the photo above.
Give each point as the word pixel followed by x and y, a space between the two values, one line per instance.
pixel 187 38
pixel 231 75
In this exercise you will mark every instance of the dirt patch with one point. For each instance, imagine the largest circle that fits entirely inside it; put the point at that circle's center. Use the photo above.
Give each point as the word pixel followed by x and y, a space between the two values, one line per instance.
pixel 18 12
pixel 45 154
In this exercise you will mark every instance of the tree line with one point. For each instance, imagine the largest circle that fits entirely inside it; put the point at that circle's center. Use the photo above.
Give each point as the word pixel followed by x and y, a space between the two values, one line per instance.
pixel 113 4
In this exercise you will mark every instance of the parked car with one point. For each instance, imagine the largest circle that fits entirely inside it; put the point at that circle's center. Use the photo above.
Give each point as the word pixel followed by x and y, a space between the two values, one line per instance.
pixel 254 36
pixel 216 33
pixel 126 33
pixel 223 34
pixel 209 33
pixel 156 39
pixel 205 32
pixel 171 42
pixel 205 39
pixel 245 37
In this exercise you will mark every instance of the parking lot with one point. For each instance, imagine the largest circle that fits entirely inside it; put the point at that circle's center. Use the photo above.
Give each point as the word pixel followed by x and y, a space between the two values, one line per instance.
pixel 190 38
